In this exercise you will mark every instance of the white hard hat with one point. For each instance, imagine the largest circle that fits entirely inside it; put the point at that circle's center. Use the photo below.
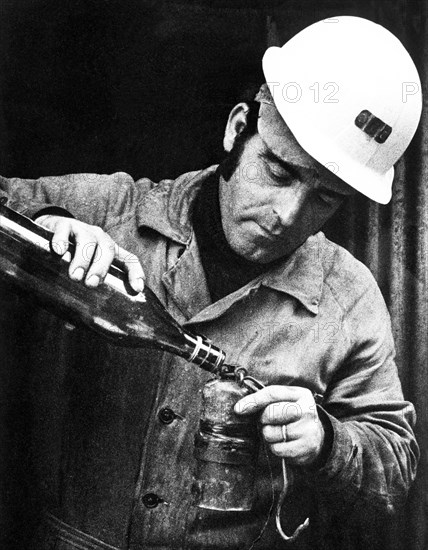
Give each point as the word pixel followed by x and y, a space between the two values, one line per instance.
pixel 351 95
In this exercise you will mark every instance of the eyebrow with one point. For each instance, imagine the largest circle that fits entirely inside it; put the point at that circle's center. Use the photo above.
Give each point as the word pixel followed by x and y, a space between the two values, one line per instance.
pixel 293 169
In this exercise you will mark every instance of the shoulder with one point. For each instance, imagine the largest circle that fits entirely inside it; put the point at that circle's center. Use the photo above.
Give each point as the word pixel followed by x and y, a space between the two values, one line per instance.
pixel 181 184
pixel 347 278
pixel 85 179
pixel 176 195
pixel 352 286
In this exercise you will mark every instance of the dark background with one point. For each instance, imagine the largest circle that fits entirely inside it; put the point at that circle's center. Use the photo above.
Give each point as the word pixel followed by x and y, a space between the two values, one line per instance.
pixel 145 87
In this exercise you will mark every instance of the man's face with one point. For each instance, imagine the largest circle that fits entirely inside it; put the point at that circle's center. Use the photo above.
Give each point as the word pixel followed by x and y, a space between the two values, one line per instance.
pixel 271 205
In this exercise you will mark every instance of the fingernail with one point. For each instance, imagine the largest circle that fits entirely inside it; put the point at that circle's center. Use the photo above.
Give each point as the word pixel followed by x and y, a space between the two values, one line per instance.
pixel 93 280
pixel 57 248
pixel 78 273
pixel 139 284
pixel 238 408
pixel 243 406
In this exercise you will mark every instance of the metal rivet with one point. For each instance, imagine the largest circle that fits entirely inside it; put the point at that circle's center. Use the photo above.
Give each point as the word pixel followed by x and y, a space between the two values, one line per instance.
pixel 151 500
pixel 167 415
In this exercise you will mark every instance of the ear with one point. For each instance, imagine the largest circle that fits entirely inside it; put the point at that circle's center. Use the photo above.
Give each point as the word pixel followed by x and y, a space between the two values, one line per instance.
pixel 236 123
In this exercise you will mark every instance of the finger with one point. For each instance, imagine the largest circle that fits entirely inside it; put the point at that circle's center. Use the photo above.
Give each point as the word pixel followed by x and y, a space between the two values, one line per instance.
pixel 275 434
pixel 47 221
pixel 295 451
pixel 86 245
pixel 133 267
pixel 283 412
pixel 61 238
pixel 102 257
pixel 60 228
pixel 271 394
pixel 284 433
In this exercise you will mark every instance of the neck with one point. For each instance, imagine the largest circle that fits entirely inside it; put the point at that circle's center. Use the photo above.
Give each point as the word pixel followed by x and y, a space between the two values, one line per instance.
pixel 225 270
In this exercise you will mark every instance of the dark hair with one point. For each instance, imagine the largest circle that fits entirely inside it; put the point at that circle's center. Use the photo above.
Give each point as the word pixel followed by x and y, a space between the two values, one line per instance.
pixel 230 162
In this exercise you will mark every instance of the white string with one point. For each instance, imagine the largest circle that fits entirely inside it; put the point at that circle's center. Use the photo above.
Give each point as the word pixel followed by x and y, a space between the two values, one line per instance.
pixel 287 480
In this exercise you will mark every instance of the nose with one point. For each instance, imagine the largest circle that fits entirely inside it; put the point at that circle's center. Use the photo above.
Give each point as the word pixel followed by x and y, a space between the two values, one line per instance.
pixel 289 205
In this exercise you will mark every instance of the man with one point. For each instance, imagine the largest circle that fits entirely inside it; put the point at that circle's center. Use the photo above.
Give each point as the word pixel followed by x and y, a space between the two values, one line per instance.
pixel 235 252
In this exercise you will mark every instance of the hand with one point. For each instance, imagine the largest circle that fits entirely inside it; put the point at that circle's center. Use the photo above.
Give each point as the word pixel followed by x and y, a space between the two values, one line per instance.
pixel 290 422
pixel 94 253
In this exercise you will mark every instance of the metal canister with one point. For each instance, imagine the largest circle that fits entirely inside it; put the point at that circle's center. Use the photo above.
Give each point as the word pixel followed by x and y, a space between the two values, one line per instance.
pixel 226 449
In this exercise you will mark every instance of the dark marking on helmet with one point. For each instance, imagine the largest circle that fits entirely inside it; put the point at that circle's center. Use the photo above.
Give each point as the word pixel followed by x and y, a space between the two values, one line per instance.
pixel 373 126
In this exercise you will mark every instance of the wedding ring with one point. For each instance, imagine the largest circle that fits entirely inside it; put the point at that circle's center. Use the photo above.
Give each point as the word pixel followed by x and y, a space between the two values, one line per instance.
pixel 284 432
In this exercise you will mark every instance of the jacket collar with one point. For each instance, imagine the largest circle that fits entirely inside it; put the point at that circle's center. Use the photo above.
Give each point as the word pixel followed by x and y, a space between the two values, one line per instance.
pixel 167 207
pixel 167 210
pixel 302 274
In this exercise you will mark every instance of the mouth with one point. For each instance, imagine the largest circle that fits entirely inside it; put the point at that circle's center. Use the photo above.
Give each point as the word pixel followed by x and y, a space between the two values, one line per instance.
pixel 272 233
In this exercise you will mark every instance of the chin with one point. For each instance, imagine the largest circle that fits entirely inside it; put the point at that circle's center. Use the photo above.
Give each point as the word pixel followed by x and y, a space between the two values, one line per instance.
pixel 255 252
pixel 257 256
pixel 267 259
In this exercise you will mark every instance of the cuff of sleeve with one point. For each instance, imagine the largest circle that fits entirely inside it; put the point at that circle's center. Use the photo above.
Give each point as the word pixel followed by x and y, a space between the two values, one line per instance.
pixel 335 469
pixel 35 211
pixel 325 453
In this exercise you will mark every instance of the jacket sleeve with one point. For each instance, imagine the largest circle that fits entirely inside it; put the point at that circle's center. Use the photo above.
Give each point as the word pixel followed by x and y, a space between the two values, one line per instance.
pixel 374 453
pixel 92 198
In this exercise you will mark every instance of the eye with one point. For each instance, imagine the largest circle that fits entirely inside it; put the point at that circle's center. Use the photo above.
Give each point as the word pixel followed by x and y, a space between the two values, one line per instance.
pixel 280 175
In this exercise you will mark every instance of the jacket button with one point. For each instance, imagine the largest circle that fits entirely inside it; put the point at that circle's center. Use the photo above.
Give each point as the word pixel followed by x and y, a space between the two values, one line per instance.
pixel 166 415
pixel 150 500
